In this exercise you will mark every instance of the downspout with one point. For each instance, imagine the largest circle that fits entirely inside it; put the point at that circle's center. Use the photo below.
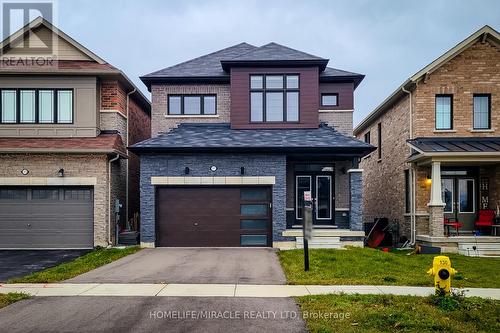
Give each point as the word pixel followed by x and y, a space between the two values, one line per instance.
pixel 412 177
pixel 109 198
pixel 127 162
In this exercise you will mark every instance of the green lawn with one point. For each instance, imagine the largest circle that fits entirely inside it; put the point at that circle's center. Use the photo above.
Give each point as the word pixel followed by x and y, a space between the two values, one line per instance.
pixel 385 313
pixel 6 299
pixel 80 265
pixel 371 266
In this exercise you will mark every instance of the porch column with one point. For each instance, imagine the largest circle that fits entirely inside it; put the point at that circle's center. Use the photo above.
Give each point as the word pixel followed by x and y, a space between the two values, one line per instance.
pixel 356 199
pixel 436 204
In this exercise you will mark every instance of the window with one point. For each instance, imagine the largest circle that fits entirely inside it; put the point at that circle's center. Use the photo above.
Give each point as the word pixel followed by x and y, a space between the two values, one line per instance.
pixel 367 137
pixel 253 224
pixel 379 130
pixel 274 98
pixel 254 194
pixel 329 99
pixel 27 100
pixel 444 112
pixel 482 111
pixel 13 194
pixel 407 191
pixel 36 106
pixel 9 106
pixel 466 196
pixel 447 193
pixel 192 105
pixel 45 194
pixel 253 240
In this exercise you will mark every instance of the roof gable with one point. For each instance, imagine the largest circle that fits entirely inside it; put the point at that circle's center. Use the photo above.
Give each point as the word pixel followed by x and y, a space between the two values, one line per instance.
pixel 38 33
pixel 485 34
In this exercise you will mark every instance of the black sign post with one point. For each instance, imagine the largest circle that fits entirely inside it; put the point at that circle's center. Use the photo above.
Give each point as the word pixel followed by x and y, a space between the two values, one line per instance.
pixel 307 226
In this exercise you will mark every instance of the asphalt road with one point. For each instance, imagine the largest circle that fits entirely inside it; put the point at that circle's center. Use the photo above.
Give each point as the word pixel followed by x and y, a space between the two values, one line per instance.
pixel 152 314
pixel 17 263
pixel 191 265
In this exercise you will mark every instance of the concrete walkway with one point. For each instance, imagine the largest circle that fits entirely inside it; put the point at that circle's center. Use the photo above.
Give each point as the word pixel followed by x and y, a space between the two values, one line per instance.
pixel 221 290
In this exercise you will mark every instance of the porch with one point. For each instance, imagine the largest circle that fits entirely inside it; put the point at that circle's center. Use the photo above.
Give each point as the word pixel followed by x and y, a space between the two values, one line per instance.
pixel 456 194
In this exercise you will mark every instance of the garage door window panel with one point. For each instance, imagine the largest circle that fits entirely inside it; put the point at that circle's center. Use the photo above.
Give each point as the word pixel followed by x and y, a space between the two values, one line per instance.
pixel 13 194
pixel 253 240
pixel 45 194
pixel 77 194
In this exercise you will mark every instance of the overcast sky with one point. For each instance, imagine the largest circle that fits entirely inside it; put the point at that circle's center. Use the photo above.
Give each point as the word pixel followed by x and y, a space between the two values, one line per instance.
pixel 386 40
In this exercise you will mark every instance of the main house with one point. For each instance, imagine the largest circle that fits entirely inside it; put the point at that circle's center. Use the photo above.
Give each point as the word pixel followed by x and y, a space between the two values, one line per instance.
pixel 65 174
pixel 238 135
pixel 437 167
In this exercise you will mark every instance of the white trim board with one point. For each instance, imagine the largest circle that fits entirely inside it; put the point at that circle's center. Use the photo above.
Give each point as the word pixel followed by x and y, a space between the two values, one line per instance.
pixel 207 181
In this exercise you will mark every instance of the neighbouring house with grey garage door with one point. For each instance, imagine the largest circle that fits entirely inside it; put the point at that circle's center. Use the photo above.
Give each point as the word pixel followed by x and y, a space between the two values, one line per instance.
pixel 238 135
pixel 64 128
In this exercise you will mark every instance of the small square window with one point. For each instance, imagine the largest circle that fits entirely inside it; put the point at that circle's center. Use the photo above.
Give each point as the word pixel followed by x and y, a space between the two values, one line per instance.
pixel 329 99
pixel 292 82
pixel 274 81
pixel 256 82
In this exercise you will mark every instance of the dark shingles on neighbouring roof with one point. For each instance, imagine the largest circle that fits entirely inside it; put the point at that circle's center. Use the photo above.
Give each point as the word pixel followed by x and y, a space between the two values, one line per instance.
pixel 221 136
pixel 207 65
pixel 457 145
pixel 329 71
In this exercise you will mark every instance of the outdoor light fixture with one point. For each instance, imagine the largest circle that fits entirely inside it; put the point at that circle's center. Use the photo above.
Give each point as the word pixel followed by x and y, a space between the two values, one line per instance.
pixel 428 180
pixel 60 173
pixel 186 170
pixel 24 172
pixel 242 170
pixel 213 168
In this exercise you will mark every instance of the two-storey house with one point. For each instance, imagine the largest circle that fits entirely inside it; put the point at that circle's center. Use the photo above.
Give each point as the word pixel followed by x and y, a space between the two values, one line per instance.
pixel 65 122
pixel 437 166
pixel 238 136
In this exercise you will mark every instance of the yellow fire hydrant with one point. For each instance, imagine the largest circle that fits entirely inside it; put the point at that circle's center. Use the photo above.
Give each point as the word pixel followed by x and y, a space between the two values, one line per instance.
pixel 442 272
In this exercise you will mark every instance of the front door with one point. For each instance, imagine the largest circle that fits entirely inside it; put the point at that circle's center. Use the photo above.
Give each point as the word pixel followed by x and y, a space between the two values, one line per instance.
pixel 459 196
pixel 321 185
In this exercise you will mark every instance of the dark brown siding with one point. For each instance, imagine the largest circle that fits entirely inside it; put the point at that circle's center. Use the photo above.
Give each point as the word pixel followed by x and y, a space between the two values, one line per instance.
pixel 240 97
pixel 345 92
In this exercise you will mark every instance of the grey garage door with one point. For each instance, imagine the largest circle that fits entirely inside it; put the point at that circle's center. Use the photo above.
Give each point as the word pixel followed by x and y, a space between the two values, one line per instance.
pixel 46 217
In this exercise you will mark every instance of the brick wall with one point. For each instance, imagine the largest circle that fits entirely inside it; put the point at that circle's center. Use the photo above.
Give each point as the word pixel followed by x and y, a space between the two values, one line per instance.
pixel 47 165
pixel 384 180
pixel 161 122
pixel 476 70
pixel 111 120
pixel 199 165
pixel 340 120
pixel 113 96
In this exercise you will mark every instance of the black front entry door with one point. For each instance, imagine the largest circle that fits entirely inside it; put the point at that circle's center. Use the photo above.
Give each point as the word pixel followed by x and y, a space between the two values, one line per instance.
pixel 321 185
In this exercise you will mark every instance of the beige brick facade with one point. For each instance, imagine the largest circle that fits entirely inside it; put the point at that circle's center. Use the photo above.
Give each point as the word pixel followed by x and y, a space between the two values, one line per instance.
pixel 88 165
pixel 340 120
pixel 162 122
pixel 476 70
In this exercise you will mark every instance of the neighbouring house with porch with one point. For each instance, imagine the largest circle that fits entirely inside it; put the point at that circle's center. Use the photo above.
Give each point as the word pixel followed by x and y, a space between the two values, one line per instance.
pixel 237 136
pixel 436 170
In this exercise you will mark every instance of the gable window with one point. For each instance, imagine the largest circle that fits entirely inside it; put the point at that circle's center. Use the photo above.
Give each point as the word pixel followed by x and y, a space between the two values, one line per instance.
pixel 482 111
pixel 192 105
pixel 379 130
pixel 444 112
pixel 329 99
pixel 36 106
pixel 274 98
pixel 367 137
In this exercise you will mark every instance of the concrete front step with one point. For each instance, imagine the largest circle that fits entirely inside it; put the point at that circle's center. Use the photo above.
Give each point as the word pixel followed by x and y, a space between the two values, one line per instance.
pixel 320 243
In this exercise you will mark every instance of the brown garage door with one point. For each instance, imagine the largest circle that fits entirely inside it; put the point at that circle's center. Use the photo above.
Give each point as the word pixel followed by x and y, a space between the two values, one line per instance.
pixel 46 217
pixel 214 216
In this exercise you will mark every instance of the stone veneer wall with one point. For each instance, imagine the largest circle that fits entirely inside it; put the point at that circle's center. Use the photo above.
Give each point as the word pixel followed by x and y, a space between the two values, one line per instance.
pixel 199 165
pixel 356 200
pixel 77 165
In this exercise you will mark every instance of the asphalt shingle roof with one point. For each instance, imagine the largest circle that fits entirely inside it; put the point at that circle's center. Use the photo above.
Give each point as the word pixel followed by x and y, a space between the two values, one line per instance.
pixel 275 52
pixel 219 136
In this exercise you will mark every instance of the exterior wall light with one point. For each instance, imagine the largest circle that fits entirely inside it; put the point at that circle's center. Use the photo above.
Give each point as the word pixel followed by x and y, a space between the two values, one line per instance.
pixel 60 173
pixel 242 170
pixel 24 172
pixel 213 168
pixel 428 180
pixel 186 171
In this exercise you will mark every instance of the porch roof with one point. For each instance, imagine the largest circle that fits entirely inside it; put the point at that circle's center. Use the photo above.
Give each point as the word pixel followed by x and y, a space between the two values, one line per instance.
pixel 219 137
pixel 432 147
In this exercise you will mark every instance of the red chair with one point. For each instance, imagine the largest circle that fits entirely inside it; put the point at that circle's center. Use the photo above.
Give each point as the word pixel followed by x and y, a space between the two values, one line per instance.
pixel 452 223
pixel 485 218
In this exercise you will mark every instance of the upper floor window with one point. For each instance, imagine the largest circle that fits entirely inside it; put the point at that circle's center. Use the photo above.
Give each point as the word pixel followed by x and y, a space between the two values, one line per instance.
pixel 482 111
pixel 36 106
pixel 192 105
pixel 329 99
pixel 444 112
pixel 274 98
pixel 367 137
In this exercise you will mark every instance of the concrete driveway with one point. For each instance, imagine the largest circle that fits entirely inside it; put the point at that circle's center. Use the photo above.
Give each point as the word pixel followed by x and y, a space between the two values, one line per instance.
pixel 191 265
pixel 17 263
pixel 152 314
